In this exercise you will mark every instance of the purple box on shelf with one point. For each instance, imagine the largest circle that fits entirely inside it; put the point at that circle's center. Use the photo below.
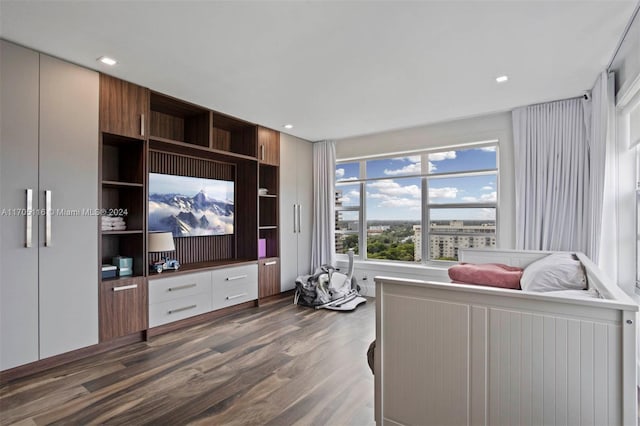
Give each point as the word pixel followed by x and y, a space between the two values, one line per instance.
pixel 262 248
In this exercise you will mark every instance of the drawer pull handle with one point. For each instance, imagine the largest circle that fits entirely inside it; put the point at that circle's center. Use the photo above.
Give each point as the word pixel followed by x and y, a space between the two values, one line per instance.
pixel 236 296
pixel 237 277
pixel 173 311
pixel 182 287
pixel 273 262
pixel 125 287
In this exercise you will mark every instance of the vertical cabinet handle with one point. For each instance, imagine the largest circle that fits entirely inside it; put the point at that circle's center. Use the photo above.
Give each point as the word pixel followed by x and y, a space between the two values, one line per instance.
pixel 28 242
pixel 262 152
pixel 47 220
pixel 299 217
pixel 141 124
pixel 295 216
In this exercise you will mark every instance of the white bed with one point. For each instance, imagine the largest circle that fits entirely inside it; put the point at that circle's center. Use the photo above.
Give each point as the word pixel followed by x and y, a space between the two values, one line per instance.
pixel 453 354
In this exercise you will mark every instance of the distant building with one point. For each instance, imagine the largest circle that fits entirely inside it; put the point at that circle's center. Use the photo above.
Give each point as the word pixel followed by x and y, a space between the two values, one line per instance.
pixel 378 229
pixel 417 243
pixel 338 237
pixel 446 239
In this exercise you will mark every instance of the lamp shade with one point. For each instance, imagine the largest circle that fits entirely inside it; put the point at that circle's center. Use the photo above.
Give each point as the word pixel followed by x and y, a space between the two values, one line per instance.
pixel 161 241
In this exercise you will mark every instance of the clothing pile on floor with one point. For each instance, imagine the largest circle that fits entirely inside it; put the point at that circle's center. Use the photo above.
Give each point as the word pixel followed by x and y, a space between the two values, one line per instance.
pixel 113 223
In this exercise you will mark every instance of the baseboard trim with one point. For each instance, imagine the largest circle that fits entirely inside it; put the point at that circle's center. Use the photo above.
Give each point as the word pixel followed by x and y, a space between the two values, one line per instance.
pixel 276 298
pixel 67 357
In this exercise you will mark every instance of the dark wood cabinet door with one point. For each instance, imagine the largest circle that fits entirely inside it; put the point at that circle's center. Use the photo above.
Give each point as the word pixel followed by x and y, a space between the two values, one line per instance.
pixel 268 146
pixel 268 277
pixel 124 107
pixel 123 307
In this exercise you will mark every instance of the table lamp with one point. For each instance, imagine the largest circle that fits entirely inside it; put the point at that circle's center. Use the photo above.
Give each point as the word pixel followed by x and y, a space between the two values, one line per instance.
pixel 160 242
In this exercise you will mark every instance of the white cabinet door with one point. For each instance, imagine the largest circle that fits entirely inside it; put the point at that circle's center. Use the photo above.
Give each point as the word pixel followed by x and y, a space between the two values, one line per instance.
pixel 69 169
pixel 296 189
pixel 305 201
pixel 288 200
pixel 18 172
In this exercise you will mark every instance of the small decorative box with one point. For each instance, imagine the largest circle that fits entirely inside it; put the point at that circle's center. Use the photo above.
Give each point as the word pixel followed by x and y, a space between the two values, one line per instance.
pixel 124 264
pixel 109 271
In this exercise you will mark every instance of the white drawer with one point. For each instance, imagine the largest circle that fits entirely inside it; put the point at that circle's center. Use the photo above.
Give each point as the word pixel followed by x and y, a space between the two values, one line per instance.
pixel 171 288
pixel 180 308
pixel 235 285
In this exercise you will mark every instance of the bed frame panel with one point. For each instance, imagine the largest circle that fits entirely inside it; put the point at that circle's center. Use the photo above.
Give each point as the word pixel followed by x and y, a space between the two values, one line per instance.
pixel 457 354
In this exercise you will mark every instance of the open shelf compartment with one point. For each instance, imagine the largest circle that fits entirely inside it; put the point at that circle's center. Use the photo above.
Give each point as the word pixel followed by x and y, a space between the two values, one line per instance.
pixel 234 135
pixel 179 121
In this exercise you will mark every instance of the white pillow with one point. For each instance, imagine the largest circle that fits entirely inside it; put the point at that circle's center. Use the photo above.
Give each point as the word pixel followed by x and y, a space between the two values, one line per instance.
pixel 558 271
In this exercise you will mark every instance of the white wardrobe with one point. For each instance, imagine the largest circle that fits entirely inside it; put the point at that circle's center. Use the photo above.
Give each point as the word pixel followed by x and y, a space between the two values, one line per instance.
pixel 48 163
pixel 296 208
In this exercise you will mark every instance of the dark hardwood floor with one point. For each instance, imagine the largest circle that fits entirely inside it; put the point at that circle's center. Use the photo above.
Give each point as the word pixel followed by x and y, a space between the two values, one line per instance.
pixel 279 364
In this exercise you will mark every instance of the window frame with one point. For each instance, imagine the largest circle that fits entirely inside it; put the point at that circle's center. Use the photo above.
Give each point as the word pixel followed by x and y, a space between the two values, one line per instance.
pixel 426 206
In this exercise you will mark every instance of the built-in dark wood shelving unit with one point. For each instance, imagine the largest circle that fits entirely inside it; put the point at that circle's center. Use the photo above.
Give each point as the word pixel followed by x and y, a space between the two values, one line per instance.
pixel 123 173
pixel 268 209
pixel 179 138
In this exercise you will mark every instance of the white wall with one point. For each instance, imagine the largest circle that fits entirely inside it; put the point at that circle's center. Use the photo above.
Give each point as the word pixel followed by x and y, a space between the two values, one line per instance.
pixel 486 127
pixel 626 64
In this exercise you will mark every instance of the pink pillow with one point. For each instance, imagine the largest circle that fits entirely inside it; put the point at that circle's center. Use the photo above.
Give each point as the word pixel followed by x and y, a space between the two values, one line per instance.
pixel 489 274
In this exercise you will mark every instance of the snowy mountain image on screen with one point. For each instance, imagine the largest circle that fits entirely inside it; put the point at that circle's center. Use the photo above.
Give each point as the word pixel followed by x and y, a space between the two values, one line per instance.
pixel 189 206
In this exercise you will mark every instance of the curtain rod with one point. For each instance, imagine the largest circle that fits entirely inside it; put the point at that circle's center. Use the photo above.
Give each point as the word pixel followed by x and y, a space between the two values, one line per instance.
pixel 583 96
pixel 624 34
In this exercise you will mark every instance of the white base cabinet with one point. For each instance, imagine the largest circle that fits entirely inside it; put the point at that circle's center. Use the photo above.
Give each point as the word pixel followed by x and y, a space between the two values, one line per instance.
pixel 172 298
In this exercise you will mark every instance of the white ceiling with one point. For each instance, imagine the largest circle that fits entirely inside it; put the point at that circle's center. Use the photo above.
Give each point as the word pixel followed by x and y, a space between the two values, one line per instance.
pixel 335 69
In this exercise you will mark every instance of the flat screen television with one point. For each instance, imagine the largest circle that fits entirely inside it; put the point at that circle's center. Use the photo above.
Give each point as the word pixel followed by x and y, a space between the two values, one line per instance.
pixel 190 206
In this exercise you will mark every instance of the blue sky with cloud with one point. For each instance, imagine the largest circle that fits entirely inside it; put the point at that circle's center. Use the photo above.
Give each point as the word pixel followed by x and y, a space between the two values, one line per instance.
pixel 398 197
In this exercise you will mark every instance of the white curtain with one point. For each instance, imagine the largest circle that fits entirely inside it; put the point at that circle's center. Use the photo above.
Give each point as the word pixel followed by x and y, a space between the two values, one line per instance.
pixel 323 236
pixel 553 167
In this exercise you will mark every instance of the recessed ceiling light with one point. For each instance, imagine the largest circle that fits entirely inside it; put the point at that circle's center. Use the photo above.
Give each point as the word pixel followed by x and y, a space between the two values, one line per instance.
pixel 288 126
pixel 502 79
pixel 107 60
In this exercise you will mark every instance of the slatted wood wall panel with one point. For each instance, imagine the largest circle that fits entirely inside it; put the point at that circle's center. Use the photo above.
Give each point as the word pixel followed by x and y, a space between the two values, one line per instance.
pixel 196 249
pixel 551 370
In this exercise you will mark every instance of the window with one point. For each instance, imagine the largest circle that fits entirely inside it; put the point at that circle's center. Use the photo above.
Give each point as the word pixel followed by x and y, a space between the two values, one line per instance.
pixel 418 207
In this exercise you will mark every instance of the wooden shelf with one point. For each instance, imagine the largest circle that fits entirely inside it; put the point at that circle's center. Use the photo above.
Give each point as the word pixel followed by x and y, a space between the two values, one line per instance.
pixel 164 144
pixel 126 232
pixel 116 184
pixel 116 279
pixel 200 266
